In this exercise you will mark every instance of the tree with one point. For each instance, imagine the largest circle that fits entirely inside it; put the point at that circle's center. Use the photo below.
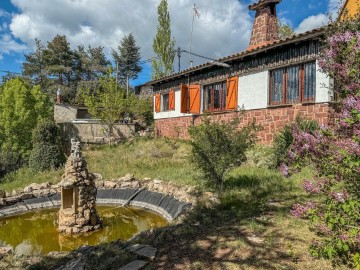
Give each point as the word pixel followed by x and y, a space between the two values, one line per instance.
pixel 22 106
pixel 34 66
pixel 60 60
pixel 285 31
pixel 163 44
pixel 127 59
pixel 109 105
pixel 46 153
pixel 219 147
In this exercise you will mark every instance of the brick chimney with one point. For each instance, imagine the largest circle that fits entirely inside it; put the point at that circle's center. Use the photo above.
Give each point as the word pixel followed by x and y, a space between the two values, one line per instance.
pixel 265 28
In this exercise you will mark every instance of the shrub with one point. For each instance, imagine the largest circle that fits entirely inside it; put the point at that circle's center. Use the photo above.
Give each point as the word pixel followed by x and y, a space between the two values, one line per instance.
pixel 219 147
pixel 47 153
pixel 334 152
pixel 284 139
pixel 9 161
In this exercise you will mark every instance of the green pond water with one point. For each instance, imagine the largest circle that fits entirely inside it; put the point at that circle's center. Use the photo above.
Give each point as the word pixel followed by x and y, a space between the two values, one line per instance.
pixel 36 232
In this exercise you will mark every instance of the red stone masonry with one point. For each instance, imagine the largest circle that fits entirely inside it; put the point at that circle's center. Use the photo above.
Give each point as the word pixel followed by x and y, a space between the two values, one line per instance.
pixel 272 120
pixel 265 27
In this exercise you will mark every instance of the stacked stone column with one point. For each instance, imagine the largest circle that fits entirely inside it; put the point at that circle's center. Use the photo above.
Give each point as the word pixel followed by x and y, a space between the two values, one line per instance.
pixel 78 196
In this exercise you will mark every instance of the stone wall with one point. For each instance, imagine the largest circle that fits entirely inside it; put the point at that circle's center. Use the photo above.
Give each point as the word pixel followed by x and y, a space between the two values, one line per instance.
pixel 271 119
pixel 93 132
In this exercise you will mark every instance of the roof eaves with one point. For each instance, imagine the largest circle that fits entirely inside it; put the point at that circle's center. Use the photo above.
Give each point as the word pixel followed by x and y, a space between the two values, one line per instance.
pixel 298 37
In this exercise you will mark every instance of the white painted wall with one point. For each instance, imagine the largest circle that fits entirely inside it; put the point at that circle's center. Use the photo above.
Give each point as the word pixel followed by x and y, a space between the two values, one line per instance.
pixel 253 91
pixel 174 113
pixel 324 86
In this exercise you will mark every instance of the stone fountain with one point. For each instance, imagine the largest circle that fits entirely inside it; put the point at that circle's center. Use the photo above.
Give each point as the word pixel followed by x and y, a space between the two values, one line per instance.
pixel 78 196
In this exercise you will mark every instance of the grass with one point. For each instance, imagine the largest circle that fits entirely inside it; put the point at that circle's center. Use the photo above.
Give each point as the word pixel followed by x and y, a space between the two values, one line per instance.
pixel 251 228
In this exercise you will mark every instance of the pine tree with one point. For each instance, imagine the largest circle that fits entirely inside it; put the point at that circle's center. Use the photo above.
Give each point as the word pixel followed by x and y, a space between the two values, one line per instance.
pixel 163 44
pixel 127 58
pixel 34 66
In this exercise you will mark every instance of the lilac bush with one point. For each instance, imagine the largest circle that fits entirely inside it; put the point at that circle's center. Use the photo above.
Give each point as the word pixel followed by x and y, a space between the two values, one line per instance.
pixel 335 153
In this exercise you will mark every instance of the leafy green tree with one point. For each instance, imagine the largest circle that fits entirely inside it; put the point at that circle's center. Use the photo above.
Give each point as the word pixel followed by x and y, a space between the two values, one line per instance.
pixel 163 44
pixel 285 31
pixel 109 105
pixel 22 106
pixel 127 58
pixel 217 147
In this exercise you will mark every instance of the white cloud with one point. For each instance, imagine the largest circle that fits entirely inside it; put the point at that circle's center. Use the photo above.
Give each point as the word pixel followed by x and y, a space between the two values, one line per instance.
pixel 321 19
pixel 223 28
pixel 8 44
pixel 312 22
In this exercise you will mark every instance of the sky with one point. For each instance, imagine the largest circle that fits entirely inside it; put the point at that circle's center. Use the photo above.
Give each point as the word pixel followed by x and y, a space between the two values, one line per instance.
pixel 222 28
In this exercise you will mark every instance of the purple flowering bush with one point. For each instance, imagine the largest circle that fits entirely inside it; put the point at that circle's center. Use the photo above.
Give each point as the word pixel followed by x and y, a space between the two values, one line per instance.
pixel 335 153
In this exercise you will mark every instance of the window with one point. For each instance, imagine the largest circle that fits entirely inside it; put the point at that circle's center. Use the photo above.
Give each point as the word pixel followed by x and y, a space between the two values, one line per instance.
pixel 293 84
pixel 215 97
pixel 165 102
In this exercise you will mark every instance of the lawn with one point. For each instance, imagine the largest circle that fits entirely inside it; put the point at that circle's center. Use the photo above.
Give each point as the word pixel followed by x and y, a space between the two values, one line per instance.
pixel 250 228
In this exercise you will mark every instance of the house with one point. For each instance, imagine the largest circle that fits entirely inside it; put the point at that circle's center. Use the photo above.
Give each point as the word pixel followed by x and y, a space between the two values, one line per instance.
pixel 349 9
pixel 271 82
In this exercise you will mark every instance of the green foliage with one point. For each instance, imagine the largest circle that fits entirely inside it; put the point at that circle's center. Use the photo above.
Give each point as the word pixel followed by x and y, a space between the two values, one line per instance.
pixel 56 66
pixel 285 31
pixel 163 44
pixel 219 147
pixel 284 139
pixel 109 105
pixel 47 152
pixel 21 107
pixel 127 58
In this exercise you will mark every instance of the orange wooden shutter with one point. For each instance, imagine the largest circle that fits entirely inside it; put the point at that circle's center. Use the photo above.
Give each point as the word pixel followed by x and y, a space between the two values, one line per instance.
pixel 172 100
pixel 232 93
pixel 194 98
pixel 184 98
pixel 157 102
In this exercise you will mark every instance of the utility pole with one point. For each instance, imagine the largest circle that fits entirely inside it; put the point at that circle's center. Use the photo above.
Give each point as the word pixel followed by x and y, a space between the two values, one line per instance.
pixel 179 56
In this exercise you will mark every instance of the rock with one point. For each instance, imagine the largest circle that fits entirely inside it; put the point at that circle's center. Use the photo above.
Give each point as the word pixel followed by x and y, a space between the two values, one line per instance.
pixel 97 176
pixel 45 185
pixel 26 196
pixel 2 194
pixel 128 177
pixel 58 254
pixel 23 248
pixel 157 182
pixel 99 184
pixel 75 264
pixel 110 184
pixel 6 250
pixel 134 265
pixel 7 194
pixel 14 193
pixel 147 179
pixel 28 189
pixel 143 250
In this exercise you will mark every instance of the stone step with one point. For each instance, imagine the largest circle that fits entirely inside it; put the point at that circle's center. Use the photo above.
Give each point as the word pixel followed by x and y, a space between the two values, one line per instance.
pixel 134 265
pixel 143 250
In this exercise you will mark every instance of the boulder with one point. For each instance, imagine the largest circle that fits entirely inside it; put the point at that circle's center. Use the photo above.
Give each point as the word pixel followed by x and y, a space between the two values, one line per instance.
pixel 127 177
pixel 2 194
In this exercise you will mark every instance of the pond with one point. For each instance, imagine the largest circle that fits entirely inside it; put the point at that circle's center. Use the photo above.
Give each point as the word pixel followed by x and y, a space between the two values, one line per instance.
pixel 36 232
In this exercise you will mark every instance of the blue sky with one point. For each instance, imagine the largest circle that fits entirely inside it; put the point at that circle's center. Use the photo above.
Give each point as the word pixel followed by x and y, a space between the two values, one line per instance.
pixel 223 28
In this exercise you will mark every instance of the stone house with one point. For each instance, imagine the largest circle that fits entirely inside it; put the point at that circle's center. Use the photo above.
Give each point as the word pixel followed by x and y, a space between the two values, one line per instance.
pixel 272 81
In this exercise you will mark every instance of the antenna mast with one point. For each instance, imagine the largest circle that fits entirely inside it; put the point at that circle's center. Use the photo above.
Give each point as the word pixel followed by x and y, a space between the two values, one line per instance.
pixel 195 13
